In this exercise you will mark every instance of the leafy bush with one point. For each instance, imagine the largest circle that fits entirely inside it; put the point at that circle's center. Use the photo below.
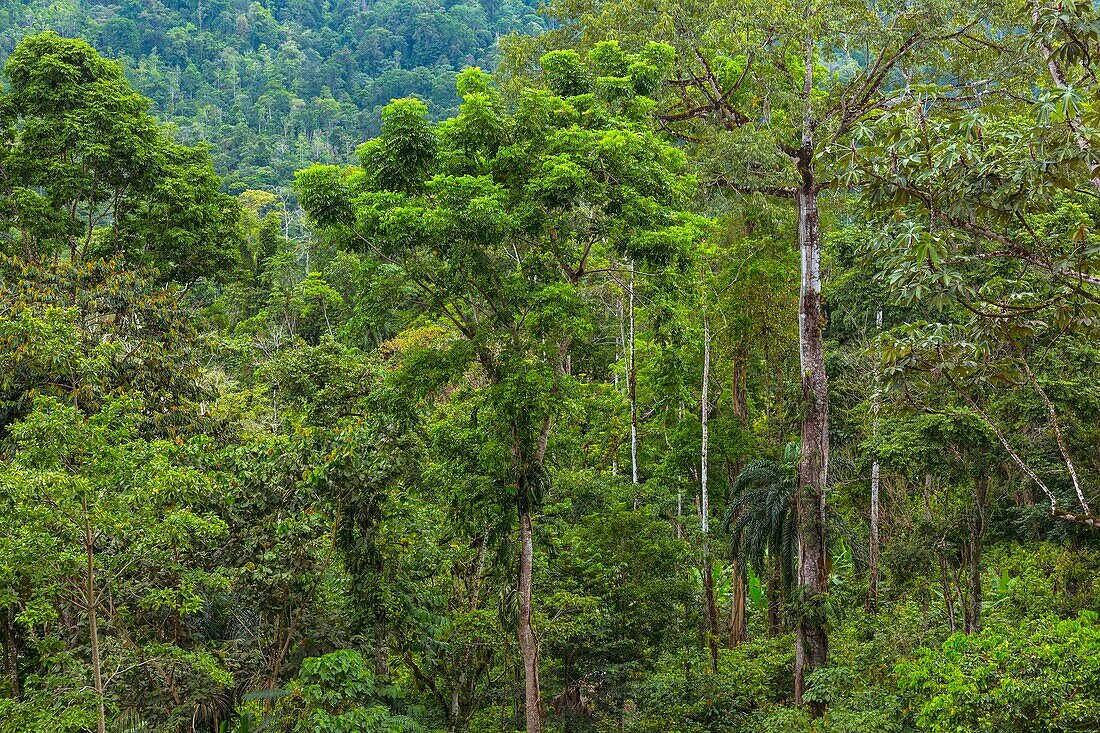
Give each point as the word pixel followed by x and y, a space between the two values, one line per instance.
pixel 337 693
pixel 684 696
pixel 1043 675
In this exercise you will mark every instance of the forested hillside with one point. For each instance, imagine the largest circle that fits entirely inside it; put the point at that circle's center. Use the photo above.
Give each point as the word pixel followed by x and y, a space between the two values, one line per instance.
pixel 729 367
pixel 276 85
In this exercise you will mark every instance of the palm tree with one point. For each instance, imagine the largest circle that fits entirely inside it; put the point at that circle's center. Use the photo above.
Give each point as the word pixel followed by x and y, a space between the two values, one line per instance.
pixel 761 524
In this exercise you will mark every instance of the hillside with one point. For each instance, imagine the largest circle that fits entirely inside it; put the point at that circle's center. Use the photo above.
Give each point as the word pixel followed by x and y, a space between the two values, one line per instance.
pixel 275 85
pixel 723 367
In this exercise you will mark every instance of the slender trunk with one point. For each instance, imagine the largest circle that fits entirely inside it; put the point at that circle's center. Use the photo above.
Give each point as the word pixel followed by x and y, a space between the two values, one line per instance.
pixel 527 642
pixel 739 388
pixel 738 630
pixel 973 610
pixel 876 397
pixel 614 455
pixel 632 388
pixel 704 503
pixel 620 352
pixel 712 609
pixel 948 594
pixel 378 601
pixel 381 660
pixel 704 419
pixel 11 654
pixel 90 604
pixel 812 644
pixel 679 487
pixel 773 591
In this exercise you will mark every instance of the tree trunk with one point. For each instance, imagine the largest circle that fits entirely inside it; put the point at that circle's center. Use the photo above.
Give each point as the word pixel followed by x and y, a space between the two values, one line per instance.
pixel 875 551
pixel 704 420
pixel 527 642
pixel 739 388
pixel 738 628
pixel 948 594
pixel 90 603
pixel 812 644
pixel 704 502
pixel 972 616
pixel 11 654
pixel 775 626
pixel 712 608
pixel 632 389
pixel 381 661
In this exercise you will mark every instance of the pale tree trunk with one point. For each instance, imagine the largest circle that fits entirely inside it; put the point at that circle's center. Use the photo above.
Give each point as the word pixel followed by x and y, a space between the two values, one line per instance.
pixel 812 644
pixel 632 388
pixel 679 488
pixel 614 455
pixel 875 551
pixel 621 352
pixel 704 503
pixel 527 643
pixel 90 603
pixel 704 419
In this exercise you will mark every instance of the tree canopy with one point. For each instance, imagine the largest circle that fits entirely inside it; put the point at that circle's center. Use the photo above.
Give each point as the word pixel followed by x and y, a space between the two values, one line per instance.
pixel 707 368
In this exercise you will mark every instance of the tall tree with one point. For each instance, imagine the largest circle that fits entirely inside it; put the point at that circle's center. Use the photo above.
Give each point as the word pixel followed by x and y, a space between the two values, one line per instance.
pixel 498 221
pixel 88 173
pixel 771 95
pixel 994 241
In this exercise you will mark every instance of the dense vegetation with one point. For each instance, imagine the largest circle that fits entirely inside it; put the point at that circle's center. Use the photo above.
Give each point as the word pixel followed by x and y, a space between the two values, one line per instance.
pixel 729 367
pixel 276 85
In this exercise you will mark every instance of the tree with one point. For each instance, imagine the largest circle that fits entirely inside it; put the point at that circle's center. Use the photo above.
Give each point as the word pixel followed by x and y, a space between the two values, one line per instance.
pixel 499 221
pixel 336 692
pixel 99 522
pixel 752 90
pixel 995 241
pixel 88 173
pixel 82 332
pixel 761 522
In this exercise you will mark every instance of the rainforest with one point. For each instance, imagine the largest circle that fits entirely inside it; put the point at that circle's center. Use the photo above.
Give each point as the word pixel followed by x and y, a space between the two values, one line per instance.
pixel 587 366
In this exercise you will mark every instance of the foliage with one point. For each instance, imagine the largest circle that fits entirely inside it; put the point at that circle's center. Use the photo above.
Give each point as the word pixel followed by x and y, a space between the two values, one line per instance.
pixel 377 462
pixel 335 693
pixel 89 173
pixel 1039 675
pixel 275 86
